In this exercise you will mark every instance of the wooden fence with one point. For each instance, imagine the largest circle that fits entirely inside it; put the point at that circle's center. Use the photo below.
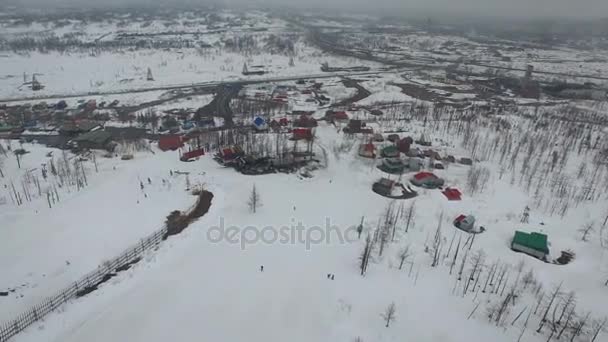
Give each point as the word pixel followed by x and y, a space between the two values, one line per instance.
pixel 83 286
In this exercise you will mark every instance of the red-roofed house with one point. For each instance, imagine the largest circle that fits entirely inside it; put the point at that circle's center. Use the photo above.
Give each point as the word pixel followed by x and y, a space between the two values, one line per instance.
pixel 427 180
pixel 452 194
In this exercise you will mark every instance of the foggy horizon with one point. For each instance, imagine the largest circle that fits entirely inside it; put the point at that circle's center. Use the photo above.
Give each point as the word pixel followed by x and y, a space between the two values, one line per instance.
pixel 541 9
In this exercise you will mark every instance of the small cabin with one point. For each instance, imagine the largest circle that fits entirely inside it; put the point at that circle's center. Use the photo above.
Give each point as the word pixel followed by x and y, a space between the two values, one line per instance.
pixel 534 244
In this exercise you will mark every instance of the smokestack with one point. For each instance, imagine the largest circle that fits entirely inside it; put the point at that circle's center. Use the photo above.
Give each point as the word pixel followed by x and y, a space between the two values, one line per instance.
pixel 529 71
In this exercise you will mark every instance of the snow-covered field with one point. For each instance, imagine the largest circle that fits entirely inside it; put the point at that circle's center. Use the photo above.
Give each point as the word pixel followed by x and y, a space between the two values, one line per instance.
pixel 45 249
pixel 204 288
pixel 78 72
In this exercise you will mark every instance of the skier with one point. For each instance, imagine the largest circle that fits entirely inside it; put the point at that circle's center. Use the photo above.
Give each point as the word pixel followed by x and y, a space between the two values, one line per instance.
pixel 149 180
pixel 261 268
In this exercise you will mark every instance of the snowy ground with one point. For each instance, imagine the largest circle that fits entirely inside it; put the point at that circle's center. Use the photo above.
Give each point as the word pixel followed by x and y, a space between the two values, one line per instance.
pixel 43 250
pixel 206 288
pixel 124 70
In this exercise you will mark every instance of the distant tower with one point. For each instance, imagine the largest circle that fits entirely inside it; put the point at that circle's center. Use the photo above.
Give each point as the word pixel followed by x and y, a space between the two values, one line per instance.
pixel 149 77
pixel 529 71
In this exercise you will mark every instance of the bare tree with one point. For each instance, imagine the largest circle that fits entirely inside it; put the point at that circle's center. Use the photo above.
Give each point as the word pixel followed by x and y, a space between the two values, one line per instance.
pixel 597 327
pixel 556 292
pixel 404 255
pixel 437 242
pixel 578 328
pixel 587 228
pixel 364 258
pixel 409 216
pixel 389 314
pixel 254 200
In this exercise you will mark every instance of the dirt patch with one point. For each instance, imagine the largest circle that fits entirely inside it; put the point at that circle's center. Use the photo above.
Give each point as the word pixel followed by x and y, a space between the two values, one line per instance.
pixel 360 95
pixel 177 221
pixel 417 92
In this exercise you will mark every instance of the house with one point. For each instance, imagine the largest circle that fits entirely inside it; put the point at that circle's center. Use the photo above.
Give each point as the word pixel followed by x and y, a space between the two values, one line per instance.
pixel 228 155
pixel 404 145
pixel 384 186
pixel 452 194
pixel 192 154
pixel 260 124
pixel 206 122
pixel 305 121
pixel 170 142
pixel 414 164
pixel 274 125
pixel 390 151
pixel 73 128
pixel 392 166
pixel 391 189
pixel 394 138
pixel 356 126
pixel 341 115
pixel 187 125
pixel 423 141
pixel 94 140
pixel 301 134
pixel 367 150
pixel 427 180
pixel 378 137
pixel 465 222
pixel 465 161
pixel 432 154
pixel 534 244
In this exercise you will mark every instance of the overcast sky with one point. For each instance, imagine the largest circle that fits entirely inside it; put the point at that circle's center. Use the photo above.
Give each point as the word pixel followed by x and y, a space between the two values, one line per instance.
pixel 521 8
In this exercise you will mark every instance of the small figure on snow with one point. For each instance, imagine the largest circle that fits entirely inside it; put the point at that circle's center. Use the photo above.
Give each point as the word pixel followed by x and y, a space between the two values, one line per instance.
pixel 332 276
pixel 141 185
pixel 328 275
pixel 171 173
pixel 149 180
pixel 261 268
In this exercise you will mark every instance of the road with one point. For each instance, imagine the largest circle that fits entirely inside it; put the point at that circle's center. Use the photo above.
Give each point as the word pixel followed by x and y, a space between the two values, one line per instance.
pixel 196 86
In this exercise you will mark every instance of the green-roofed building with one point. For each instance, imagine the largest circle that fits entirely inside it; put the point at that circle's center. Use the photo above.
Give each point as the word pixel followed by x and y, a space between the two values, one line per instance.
pixel 534 244
pixel 390 151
